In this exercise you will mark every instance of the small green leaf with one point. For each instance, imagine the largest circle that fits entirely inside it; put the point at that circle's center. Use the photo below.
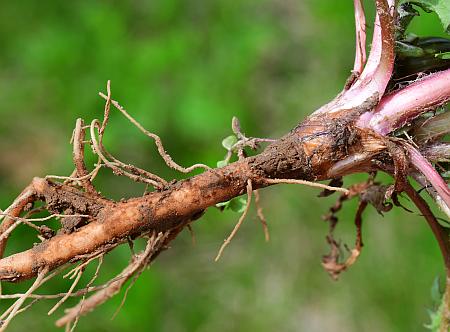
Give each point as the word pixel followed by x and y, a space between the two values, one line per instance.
pixel 222 163
pixel 406 13
pixel 238 204
pixel 424 4
pixel 436 313
pixel 435 319
pixel 229 141
pixel 436 294
pixel 443 223
pixel 444 56
pixel 408 50
pixel 224 205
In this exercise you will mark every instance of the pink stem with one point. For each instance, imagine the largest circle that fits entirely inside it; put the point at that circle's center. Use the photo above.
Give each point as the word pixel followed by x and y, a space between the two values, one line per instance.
pixel 360 27
pixel 427 169
pixel 401 107
pixel 378 70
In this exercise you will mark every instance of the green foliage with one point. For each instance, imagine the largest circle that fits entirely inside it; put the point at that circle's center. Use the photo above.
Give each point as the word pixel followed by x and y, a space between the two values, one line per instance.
pixel 406 13
pixel 444 56
pixel 436 292
pixel 407 50
pixel 229 141
pixel 440 7
pixel 435 319
pixel 222 163
pixel 236 204
pixel 421 54
pixel 435 315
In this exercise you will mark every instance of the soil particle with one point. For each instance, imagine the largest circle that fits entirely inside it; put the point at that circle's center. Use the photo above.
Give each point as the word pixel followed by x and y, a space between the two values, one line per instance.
pixel 61 197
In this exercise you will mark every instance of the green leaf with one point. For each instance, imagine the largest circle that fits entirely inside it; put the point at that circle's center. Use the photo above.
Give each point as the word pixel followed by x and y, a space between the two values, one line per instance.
pixel 443 223
pixel 229 141
pixel 444 56
pixel 408 50
pixel 224 205
pixel 435 319
pixel 434 324
pixel 424 4
pixel 222 163
pixel 437 313
pixel 440 7
pixel 406 13
pixel 238 204
pixel 436 293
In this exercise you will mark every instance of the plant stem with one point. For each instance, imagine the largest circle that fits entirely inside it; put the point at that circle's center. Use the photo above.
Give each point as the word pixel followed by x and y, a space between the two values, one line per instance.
pixel 401 107
pixel 442 236
pixel 440 233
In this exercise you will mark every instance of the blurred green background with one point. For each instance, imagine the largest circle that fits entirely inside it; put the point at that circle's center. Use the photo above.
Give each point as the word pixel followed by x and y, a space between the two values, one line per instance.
pixel 183 69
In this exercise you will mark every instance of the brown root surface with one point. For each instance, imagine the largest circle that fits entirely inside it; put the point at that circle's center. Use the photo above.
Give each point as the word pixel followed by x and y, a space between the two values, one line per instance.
pixel 306 153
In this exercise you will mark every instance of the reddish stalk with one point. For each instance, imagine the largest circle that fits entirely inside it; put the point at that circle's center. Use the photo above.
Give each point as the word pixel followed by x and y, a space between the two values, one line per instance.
pixel 401 107
pixel 378 70
pixel 360 30
pixel 443 238
pixel 440 233
pixel 427 169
